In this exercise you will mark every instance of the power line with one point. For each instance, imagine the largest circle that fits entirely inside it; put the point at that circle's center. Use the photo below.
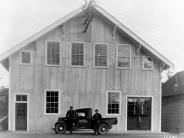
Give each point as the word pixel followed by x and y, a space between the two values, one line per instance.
pixel 134 20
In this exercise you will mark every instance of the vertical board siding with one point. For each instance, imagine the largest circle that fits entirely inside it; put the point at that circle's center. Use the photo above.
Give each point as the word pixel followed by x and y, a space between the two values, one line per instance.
pixel 84 86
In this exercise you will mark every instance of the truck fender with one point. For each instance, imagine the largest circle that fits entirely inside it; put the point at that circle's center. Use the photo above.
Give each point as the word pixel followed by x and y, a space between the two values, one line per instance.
pixel 60 122
pixel 104 122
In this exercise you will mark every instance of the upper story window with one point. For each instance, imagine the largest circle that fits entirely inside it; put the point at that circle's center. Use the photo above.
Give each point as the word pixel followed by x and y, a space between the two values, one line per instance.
pixel 53 53
pixel 100 53
pixel 123 59
pixel 26 57
pixel 113 102
pixel 147 63
pixel 77 54
pixel 51 102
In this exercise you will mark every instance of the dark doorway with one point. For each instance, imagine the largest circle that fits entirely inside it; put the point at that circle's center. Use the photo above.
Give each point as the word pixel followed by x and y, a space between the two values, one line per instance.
pixel 139 113
pixel 21 112
pixel 21 116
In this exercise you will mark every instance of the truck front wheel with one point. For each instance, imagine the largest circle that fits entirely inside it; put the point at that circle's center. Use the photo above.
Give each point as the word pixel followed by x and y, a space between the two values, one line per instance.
pixel 60 128
pixel 103 129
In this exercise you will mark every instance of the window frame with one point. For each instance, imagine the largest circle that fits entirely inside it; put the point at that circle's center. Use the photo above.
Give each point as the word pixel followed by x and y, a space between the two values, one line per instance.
pixel 101 67
pixel 126 115
pixel 59 101
pixel 46 48
pixel 112 91
pixel 117 49
pixel 83 54
pixel 31 57
pixel 143 59
pixel 28 103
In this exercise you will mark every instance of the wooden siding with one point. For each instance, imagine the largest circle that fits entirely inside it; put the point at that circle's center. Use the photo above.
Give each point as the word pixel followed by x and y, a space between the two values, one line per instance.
pixel 173 113
pixel 85 86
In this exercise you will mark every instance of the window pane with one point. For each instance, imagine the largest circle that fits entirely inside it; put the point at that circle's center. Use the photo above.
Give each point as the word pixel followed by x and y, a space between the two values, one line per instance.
pixel 113 102
pixel 77 54
pixel 123 51
pixel 53 53
pixel 52 102
pixel 101 61
pixel 101 55
pixel 56 110
pixel 123 62
pixel 18 97
pixel 56 93
pixel 26 57
pixel 148 63
pixel 123 59
pixel 24 97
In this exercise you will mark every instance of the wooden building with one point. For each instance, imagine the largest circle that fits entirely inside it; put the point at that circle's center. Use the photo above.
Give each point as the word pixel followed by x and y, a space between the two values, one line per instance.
pixel 85 59
pixel 3 108
pixel 173 104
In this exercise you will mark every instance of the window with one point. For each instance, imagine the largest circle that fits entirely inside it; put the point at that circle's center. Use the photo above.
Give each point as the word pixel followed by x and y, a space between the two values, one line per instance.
pixel 52 102
pixel 123 56
pixel 81 114
pixel 77 54
pixel 113 99
pixel 26 57
pixel 53 53
pixel 21 98
pixel 147 63
pixel 139 113
pixel 100 55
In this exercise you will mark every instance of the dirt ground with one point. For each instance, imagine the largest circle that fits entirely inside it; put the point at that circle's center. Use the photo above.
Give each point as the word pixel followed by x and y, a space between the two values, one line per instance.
pixel 84 135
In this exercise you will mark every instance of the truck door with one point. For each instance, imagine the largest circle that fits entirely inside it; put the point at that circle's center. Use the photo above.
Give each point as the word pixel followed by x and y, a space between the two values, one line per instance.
pixel 82 120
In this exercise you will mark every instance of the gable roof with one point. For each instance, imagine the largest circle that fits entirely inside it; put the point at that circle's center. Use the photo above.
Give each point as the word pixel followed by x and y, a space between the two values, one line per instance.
pixel 34 37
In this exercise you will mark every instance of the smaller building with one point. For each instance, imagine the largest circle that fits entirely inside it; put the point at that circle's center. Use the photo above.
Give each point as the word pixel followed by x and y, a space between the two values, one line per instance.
pixel 3 102
pixel 173 104
pixel 3 108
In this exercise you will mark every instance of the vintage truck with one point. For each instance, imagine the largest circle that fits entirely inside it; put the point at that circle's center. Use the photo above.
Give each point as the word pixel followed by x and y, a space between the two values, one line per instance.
pixel 84 121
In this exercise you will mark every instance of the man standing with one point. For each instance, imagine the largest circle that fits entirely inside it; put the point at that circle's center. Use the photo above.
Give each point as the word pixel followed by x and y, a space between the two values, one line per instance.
pixel 97 118
pixel 71 116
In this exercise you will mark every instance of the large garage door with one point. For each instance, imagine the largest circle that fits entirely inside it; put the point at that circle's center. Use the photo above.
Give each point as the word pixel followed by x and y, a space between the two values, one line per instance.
pixel 139 113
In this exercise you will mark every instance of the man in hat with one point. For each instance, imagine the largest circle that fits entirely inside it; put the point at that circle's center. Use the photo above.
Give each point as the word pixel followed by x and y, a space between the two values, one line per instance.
pixel 71 116
pixel 97 118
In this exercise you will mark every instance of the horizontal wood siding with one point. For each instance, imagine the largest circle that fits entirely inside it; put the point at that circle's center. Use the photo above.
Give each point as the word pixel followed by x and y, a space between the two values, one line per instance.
pixel 172 114
pixel 85 86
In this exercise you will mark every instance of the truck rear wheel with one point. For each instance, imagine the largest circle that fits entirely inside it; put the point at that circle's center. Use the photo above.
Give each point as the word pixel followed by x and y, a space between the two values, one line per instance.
pixel 103 129
pixel 60 128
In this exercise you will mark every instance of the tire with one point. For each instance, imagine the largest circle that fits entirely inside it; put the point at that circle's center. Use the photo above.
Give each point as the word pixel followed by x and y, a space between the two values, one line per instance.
pixel 60 128
pixel 103 129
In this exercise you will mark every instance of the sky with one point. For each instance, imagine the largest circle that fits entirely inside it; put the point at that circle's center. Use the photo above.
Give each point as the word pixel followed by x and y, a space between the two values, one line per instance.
pixel 159 22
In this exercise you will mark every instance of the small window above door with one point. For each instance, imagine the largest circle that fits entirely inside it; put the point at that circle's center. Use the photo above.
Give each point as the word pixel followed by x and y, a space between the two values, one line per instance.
pixel 21 98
